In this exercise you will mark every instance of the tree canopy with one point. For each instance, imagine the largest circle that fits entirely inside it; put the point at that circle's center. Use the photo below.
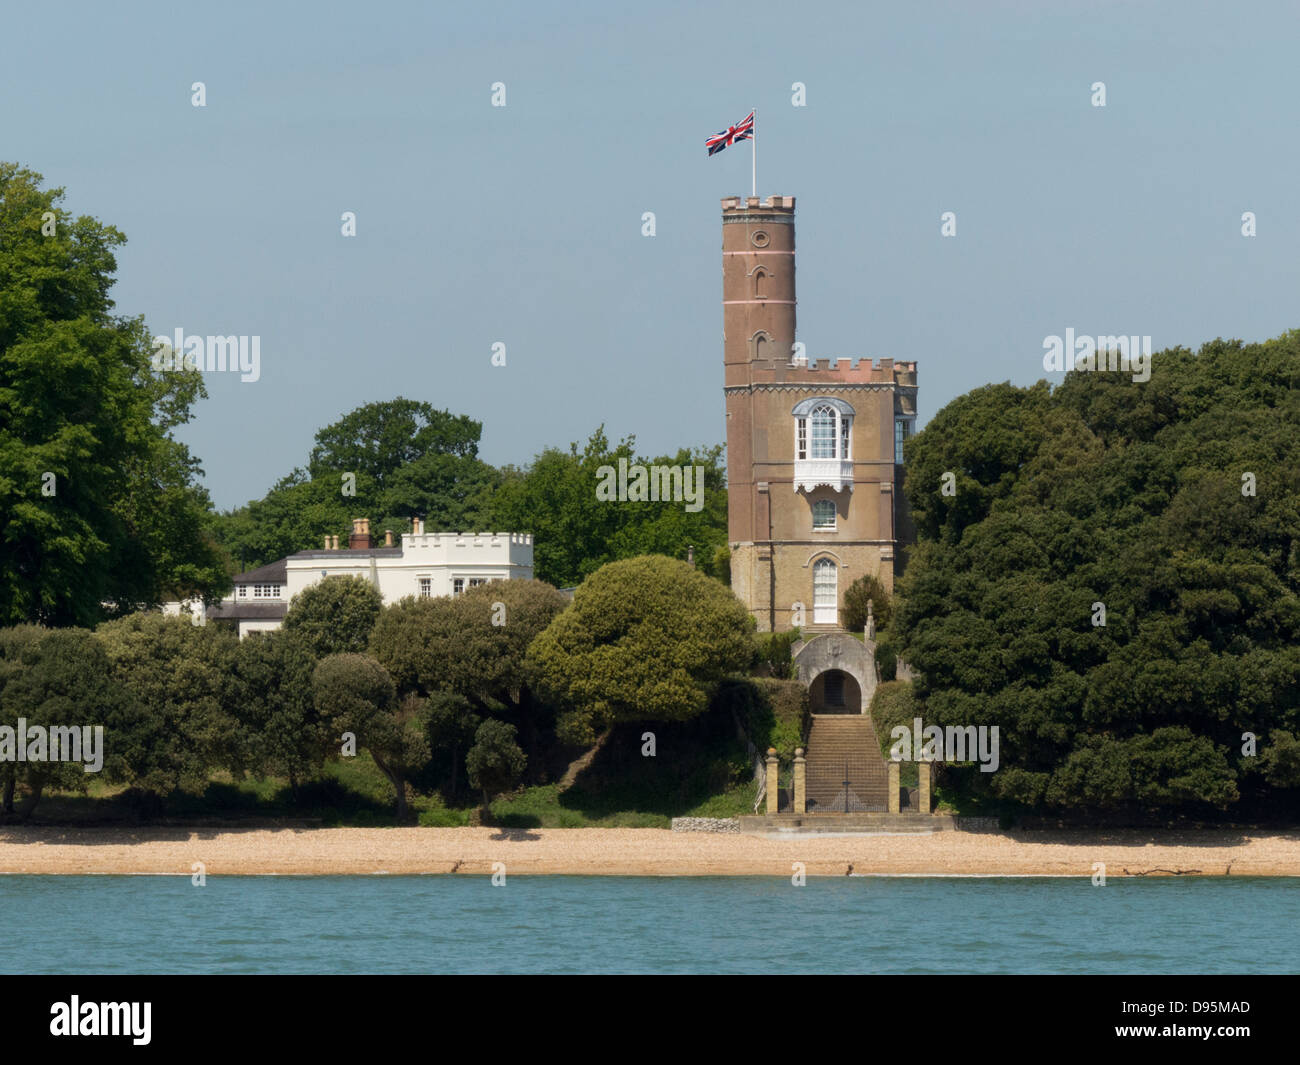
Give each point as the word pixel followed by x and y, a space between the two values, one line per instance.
pixel 1112 578
pixel 575 532
pixel 335 615
pixel 644 639
pixel 103 511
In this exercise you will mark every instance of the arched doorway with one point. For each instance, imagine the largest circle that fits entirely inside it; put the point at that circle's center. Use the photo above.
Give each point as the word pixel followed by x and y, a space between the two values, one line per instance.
pixel 835 692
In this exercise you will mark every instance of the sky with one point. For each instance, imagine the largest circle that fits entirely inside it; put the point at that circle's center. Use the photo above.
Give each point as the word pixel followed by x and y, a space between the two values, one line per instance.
pixel 522 225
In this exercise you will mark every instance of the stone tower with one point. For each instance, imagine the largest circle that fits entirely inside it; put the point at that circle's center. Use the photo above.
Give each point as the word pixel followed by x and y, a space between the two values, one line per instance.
pixel 814 448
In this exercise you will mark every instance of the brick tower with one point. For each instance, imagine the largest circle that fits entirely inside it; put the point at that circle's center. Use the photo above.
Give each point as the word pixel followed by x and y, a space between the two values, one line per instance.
pixel 814 448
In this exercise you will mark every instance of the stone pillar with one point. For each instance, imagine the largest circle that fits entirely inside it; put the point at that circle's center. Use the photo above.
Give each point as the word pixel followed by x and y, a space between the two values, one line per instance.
pixel 800 782
pixel 773 792
pixel 923 786
pixel 893 787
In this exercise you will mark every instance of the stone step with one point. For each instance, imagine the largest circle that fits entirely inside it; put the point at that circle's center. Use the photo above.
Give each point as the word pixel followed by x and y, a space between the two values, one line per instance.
pixel 840 747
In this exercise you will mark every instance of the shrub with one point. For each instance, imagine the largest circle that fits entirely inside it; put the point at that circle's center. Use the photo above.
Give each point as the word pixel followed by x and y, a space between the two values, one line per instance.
pixel 867 587
pixel 774 652
pixel 335 615
pixel 894 704
pixel 773 712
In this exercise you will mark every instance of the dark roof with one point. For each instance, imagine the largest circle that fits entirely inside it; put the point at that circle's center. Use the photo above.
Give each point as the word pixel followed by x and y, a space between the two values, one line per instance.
pixel 271 572
pixel 344 552
pixel 247 611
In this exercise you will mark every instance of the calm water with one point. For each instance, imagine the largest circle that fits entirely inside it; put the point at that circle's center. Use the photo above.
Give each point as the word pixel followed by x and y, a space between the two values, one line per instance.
pixel 573 924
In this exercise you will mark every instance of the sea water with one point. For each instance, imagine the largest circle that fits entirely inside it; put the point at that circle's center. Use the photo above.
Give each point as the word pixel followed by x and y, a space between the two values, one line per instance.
pixel 584 924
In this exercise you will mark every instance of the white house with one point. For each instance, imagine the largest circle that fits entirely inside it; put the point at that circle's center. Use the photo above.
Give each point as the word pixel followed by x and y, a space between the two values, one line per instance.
pixel 426 564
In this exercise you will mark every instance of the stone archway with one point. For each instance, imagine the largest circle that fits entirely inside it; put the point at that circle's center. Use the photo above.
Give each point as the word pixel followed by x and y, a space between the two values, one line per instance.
pixel 838 652
pixel 835 692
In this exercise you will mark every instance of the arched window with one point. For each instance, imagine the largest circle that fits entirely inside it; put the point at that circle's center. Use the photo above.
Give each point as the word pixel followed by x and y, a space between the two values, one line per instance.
pixel 823 432
pixel 825 592
pixel 824 514
pixel 760 284
pixel 823 429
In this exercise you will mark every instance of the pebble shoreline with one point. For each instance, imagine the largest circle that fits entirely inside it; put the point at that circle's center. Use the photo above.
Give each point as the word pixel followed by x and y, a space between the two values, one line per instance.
pixel 641 852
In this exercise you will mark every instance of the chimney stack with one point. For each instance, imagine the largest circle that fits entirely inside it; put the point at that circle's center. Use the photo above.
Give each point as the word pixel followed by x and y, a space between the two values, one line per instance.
pixel 360 538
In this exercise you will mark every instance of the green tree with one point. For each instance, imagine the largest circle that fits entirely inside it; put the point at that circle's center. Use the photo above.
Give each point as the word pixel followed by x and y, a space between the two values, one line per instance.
pixel 358 696
pixel 14 640
pixel 270 694
pixel 378 439
pixel 867 588
pixel 64 684
pixel 644 639
pixel 576 532
pixel 397 460
pixel 1116 582
pixel 452 725
pixel 495 762
pixel 335 615
pixel 174 676
pixel 103 510
pixel 474 645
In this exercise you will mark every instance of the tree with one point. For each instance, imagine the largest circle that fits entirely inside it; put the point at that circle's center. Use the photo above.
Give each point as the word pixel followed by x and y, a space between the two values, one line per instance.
pixel 103 510
pixel 1116 582
pixel 576 532
pixel 495 762
pixel 452 725
pixel 269 693
pixel 397 460
pixel 63 686
pixel 14 640
pixel 335 615
pixel 174 676
pixel 359 696
pixel 867 588
pixel 645 639
pixel 474 645
pixel 378 439
pixel 293 516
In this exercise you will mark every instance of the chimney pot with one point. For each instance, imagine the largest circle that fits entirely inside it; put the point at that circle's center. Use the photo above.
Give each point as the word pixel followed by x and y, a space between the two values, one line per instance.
pixel 360 538
pixel 388 537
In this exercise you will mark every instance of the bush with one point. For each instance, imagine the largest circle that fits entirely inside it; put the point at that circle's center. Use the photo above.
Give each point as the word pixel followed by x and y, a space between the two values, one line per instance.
pixel 335 615
pixel 773 712
pixel 867 587
pixel 894 704
pixel 774 653
pixel 495 762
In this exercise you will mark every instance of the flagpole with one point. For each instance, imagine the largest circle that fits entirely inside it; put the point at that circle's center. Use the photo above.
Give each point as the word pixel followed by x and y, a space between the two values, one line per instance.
pixel 753 150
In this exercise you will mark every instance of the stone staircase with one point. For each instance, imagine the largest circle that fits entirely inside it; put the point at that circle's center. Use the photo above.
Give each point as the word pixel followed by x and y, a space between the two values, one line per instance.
pixel 837 742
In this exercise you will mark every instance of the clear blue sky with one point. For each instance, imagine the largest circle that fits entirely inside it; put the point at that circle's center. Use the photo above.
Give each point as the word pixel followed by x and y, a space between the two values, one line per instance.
pixel 523 224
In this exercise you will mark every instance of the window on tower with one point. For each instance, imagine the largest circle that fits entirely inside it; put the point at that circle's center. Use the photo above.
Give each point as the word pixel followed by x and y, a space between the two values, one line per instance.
pixel 823 433
pixel 902 432
pixel 824 514
pixel 823 444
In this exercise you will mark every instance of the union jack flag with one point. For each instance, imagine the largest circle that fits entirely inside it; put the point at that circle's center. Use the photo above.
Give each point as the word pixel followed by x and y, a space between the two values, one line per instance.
pixel 740 132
